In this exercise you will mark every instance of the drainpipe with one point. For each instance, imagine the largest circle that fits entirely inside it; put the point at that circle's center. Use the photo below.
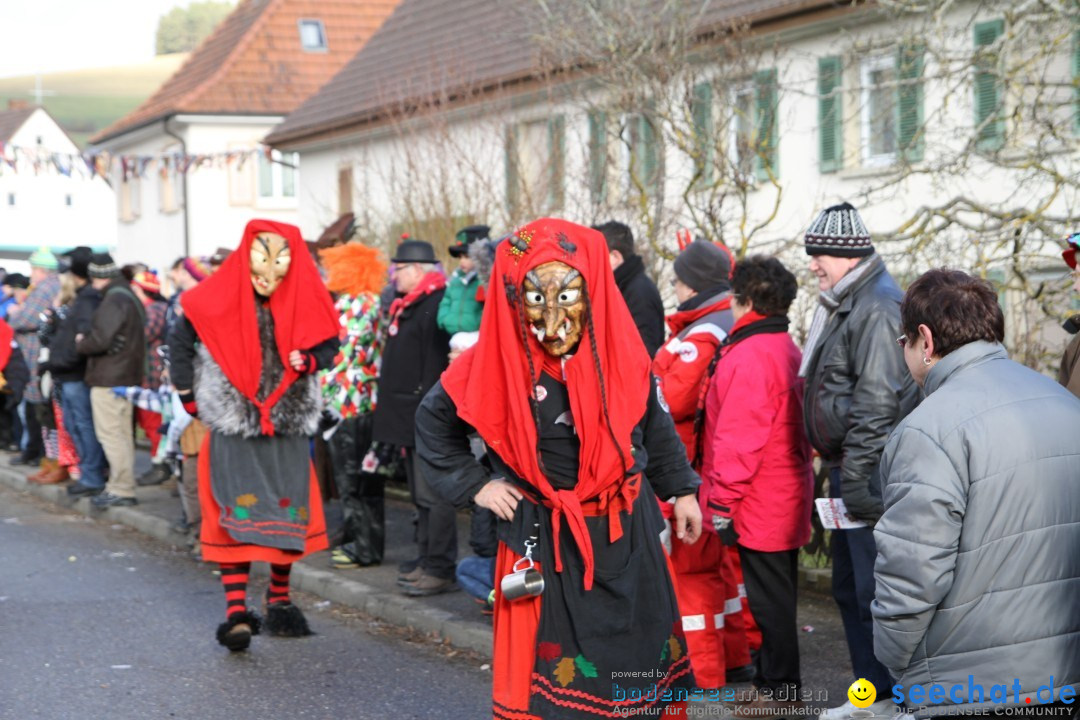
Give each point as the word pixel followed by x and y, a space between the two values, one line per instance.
pixel 183 151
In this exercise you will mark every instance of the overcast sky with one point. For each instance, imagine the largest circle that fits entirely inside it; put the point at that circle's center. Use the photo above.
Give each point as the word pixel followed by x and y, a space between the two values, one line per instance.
pixel 50 35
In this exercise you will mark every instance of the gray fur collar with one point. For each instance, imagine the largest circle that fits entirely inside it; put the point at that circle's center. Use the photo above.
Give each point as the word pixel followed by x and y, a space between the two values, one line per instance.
pixel 225 410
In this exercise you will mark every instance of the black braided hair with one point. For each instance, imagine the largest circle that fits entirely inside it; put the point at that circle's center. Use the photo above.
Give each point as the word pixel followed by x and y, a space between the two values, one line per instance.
pixel 600 377
pixel 533 404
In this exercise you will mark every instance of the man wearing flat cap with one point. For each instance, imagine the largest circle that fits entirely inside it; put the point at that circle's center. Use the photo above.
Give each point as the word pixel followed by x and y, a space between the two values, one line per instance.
pixel 413 359
pixel 116 357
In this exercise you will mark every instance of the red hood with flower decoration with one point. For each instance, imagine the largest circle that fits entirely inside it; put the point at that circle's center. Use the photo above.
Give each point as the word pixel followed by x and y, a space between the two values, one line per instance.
pixel 222 310
pixel 490 383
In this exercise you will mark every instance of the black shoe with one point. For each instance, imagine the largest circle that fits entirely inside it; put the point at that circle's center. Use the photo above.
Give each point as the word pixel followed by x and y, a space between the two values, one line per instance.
pixel 78 490
pixel 235 633
pixel 286 620
pixel 23 460
pixel 154 476
pixel 742 674
pixel 107 499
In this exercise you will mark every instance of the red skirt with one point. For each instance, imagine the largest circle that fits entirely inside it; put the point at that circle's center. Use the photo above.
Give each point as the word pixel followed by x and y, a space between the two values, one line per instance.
pixel 219 546
pixel 514 656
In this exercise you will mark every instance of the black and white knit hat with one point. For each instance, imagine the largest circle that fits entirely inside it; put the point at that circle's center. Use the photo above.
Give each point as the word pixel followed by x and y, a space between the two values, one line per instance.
pixel 102 266
pixel 840 232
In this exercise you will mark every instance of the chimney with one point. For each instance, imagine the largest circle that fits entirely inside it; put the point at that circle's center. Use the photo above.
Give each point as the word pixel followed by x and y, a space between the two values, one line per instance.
pixel 13 104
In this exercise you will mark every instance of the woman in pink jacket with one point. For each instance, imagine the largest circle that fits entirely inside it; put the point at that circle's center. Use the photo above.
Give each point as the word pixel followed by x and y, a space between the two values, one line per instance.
pixel 757 478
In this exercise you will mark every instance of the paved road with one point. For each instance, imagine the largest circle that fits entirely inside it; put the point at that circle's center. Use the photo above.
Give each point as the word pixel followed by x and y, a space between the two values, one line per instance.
pixel 97 621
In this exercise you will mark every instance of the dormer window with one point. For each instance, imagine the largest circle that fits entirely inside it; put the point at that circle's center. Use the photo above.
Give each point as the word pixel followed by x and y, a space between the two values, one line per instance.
pixel 312 36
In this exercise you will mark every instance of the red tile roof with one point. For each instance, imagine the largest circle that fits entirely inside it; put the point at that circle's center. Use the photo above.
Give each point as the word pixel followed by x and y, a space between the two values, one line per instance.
pixel 253 63
pixel 439 49
pixel 12 120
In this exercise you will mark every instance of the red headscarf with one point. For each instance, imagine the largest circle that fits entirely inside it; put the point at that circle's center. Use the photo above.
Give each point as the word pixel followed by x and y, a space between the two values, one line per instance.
pixel 490 382
pixel 222 310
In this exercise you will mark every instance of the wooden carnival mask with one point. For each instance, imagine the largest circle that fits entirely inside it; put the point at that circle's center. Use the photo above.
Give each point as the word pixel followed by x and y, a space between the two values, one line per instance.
pixel 270 260
pixel 554 295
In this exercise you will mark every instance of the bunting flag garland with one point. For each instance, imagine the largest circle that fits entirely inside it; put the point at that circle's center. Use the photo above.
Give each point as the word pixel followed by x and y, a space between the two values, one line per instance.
pixel 17 159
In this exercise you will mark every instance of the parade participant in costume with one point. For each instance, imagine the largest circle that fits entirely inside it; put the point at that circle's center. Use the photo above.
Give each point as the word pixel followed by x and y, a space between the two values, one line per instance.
pixel 349 388
pixel 266 325
pixel 707 579
pixel 559 389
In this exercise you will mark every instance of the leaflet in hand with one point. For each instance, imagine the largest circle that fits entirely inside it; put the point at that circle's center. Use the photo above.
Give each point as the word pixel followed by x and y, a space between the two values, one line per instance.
pixel 834 516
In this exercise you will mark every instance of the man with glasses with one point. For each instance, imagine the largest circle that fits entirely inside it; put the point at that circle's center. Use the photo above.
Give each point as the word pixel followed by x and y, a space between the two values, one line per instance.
pixel 857 390
pixel 414 357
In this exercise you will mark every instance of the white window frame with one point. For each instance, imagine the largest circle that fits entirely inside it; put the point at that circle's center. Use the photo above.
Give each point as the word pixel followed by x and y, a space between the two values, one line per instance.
pixel 276 198
pixel 325 47
pixel 867 66
pixel 746 87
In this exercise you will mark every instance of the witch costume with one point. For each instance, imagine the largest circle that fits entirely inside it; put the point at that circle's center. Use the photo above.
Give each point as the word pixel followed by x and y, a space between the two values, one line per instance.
pixel 559 388
pixel 231 366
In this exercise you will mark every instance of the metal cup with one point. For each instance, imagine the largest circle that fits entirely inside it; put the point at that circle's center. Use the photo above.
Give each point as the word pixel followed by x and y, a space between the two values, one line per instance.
pixel 524 582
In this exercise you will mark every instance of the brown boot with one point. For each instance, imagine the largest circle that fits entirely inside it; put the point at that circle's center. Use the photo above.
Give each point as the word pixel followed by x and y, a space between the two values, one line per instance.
pixel 53 477
pixel 47 466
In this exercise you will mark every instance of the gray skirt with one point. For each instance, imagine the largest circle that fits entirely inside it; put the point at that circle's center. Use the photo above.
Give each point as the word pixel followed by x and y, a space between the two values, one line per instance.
pixel 262 486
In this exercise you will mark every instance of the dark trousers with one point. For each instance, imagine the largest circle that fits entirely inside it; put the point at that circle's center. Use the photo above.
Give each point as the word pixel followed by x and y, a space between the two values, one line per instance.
pixel 79 422
pixel 854 553
pixel 771 580
pixel 361 492
pixel 35 444
pixel 436 527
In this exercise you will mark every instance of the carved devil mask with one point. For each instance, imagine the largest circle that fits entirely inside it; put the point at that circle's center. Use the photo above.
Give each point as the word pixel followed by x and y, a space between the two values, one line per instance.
pixel 270 260
pixel 554 295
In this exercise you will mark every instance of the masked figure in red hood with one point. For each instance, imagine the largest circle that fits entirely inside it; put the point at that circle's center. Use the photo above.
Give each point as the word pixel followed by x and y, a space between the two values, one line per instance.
pixel 581 442
pixel 244 357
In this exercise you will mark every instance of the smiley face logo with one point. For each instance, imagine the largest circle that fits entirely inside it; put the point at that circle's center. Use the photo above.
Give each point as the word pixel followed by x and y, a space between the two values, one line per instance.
pixel 862 693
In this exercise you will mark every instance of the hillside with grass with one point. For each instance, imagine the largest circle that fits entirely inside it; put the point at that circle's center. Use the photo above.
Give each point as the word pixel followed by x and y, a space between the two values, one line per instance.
pixel 86 101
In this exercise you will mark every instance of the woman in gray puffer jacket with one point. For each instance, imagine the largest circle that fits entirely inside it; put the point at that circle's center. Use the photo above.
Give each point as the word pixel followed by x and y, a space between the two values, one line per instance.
pixel 978 566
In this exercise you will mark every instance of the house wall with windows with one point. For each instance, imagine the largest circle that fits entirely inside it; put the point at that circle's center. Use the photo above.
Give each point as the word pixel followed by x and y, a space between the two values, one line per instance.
pixel 42 205
pixel 854 108
pixel 219 196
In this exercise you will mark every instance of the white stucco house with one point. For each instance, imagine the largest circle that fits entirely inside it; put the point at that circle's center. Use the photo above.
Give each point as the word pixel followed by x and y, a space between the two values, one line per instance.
pixel 956 133
pixel 48 196
pixel 188 165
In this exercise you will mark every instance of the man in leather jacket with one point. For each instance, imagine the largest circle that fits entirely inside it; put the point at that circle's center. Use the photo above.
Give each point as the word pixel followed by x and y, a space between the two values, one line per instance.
pixel 857 389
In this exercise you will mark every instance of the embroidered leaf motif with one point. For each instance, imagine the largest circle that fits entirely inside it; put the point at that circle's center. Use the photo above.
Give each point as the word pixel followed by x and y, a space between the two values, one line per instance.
pixel 587 668
pixel 564 671
pixel 246 500
pixel 548 651
pixel 664 652
pixel 303 513
pixel 241 513
pixel 676 648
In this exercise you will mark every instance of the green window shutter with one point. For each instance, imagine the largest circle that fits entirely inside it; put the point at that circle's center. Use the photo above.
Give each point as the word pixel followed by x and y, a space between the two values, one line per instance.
pixel 513 184
pixel 649 164
pixel 598 156
pixel 909 102
pixel 701 112
pixel 988 95
pixel 1076 80
pixel 830 118
pixel 766 100
pixel 556 162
